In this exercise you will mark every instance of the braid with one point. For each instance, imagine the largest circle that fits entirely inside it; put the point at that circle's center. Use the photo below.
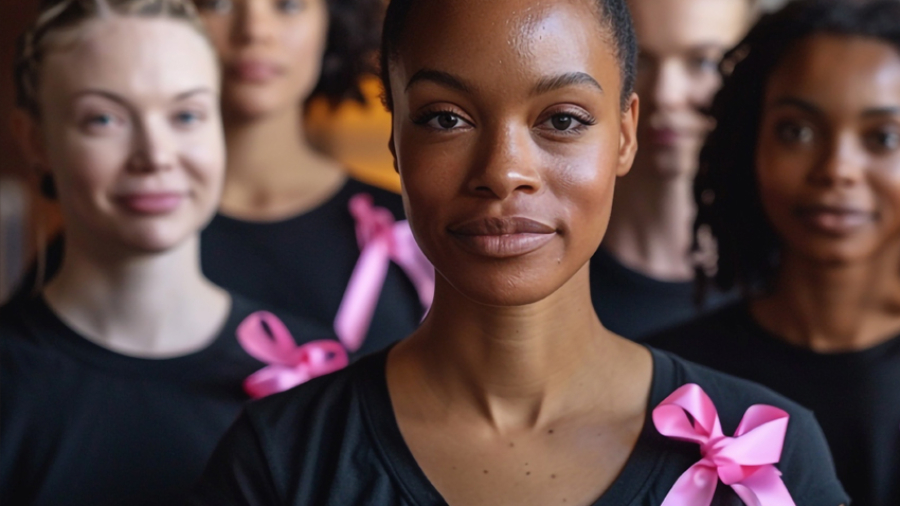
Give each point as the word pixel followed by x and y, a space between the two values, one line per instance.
pixel 63 15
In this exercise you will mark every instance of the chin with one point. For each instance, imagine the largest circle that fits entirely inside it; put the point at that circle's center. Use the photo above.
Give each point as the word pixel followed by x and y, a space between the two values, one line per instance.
pixel 497 288
pixel 248 103
pixel 155 240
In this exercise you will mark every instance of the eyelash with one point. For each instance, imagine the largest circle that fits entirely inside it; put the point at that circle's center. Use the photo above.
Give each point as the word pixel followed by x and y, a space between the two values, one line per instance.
pixel 584 120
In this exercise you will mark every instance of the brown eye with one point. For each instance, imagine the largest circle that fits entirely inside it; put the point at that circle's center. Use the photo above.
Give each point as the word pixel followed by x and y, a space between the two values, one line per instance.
pixel 883 140
pixel 216 6
pixel 562 122
pixel 794 133
pixel 446 120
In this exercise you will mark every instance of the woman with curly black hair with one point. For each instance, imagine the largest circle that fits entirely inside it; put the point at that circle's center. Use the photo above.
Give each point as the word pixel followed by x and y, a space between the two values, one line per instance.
pixel 284 234
pixel 800 184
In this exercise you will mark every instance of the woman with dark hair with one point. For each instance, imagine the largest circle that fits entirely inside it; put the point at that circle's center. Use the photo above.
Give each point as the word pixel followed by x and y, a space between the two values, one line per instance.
pixel 285 233
pixel 799 184
pixel 511 122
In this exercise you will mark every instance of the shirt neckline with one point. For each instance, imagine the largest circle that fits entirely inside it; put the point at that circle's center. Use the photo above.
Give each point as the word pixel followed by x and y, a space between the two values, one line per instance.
pixel 47 327
pixel 650 452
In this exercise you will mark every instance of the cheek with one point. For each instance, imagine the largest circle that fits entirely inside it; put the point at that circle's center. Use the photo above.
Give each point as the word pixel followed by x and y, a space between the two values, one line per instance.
pixel 86 168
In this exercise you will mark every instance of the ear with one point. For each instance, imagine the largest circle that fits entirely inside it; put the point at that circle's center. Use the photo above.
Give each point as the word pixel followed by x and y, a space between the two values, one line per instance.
pixel 628 144
pixel 28 135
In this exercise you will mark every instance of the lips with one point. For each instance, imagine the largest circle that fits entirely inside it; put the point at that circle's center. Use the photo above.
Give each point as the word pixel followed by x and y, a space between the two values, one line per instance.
pixel 834 220
pixel 155 203
pixel 502 237
pixel 254 71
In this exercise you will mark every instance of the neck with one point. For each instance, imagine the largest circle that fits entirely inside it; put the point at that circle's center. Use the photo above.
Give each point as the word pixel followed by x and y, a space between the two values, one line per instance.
pixel 834 308
pixel 516 366
pixel 272 168
pixel 650 225
pixel 149 305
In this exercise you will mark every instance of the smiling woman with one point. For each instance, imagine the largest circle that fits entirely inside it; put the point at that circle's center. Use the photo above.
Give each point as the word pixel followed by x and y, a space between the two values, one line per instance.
pixel 511 122
pixel 119 376
pixel 801 187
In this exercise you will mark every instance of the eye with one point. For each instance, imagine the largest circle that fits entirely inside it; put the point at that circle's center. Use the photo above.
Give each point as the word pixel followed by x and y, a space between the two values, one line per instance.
pixel 791 132
pixel 187 118
pixel 883 140
pixel 100 122
pixel 566 123
pixel 441 120
pixel 291 6
pixel 216 6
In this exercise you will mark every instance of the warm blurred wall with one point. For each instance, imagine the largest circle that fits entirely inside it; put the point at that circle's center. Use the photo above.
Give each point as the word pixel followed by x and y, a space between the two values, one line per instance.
pixel 358 136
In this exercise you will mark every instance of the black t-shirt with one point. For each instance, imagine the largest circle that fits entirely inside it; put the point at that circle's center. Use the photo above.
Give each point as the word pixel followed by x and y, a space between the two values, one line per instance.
pixel 855 396
pixel 635 306
pixel 303 264
pixel 83 425
pixel 335 441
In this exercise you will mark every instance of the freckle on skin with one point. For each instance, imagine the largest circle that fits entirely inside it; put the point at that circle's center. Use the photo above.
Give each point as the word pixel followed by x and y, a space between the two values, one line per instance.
pixel 512 445
pixel 552 476
pixel 485 471
pixel 528 473
pixel 550 431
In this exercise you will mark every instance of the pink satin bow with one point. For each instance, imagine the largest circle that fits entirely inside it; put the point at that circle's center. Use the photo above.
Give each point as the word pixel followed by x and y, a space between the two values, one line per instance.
pixel 744 462
pixel 381 240
pixel 289 364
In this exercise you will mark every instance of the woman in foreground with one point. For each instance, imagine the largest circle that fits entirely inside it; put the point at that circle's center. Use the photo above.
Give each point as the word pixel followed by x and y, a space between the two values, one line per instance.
pixel 511 124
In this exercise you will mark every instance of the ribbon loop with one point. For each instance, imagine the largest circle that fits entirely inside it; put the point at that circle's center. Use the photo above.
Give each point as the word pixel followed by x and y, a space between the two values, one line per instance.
pixel 381 240
pixel 288 364
pixel 744 462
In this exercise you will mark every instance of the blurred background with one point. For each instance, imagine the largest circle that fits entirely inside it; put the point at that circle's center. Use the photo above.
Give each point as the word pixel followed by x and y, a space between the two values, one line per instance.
pixel 357 135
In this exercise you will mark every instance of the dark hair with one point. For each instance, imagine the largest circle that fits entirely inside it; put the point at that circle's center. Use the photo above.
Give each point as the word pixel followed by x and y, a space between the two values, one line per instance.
pixel 614 16
pixel 726 188
pixel 353 37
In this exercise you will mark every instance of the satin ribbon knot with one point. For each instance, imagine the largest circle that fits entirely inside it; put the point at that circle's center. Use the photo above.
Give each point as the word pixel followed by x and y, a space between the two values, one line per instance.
pixel 381 240
pixel 744 462
pixel 288 364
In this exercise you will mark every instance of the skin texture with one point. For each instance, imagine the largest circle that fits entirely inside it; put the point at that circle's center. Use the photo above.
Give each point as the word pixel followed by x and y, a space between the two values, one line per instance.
pixel 681 43
pixel 828 168
pixel 271 55
pixel 130 131
pixel 512 359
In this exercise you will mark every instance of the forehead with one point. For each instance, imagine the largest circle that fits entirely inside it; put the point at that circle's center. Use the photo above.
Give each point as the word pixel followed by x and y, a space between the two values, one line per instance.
pixel 131 56
pixel 672 24
pixel 869 76
pixel 503 43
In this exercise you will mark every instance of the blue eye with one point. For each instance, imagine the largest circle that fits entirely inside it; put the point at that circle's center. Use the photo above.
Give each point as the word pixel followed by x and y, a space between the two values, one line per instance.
pixel 187 117
pixel 101 120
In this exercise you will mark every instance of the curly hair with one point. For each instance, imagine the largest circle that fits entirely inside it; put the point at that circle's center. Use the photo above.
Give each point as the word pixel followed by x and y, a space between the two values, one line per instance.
pixel 57 16
pixel 726 188
pixel 354 33
pixel 614 17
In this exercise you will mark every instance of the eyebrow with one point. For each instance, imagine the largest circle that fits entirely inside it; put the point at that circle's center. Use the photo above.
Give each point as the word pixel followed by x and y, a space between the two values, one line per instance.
pixel 121 101
pixel 438 77
pixel 552 83
pixel 813 109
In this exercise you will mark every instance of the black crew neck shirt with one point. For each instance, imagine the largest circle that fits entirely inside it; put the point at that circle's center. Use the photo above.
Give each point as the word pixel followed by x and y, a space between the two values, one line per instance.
pixel 855 396
pixel 335 441
pixel 302 265
pixel 83 425
pixel 635 306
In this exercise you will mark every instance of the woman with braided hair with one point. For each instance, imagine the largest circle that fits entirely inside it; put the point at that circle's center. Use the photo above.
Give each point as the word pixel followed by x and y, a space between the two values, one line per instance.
pixel 118 378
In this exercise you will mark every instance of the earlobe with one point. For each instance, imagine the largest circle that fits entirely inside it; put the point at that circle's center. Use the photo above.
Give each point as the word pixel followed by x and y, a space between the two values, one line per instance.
pixel 628 144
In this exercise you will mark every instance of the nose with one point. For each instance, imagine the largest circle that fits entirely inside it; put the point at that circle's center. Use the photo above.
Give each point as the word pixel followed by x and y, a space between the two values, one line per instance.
pixel 842 163
pixel 671 85
pixel 254 22
pixel 507 163
pixel 154 148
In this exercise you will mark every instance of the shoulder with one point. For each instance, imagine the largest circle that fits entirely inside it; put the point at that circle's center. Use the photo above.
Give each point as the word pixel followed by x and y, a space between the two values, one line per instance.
pixel 806 464
pixel 381 197
pixel 15 331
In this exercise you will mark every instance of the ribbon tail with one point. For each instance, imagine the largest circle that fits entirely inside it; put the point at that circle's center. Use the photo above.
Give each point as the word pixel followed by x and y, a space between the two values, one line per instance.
pixel 695 487
pixel 271 380
pixel 764 488
pixel 358 305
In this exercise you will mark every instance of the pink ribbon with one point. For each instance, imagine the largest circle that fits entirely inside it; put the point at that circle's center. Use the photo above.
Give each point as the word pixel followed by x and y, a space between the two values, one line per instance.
pixel 744 462
pixel 381 240
pixel 289 364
